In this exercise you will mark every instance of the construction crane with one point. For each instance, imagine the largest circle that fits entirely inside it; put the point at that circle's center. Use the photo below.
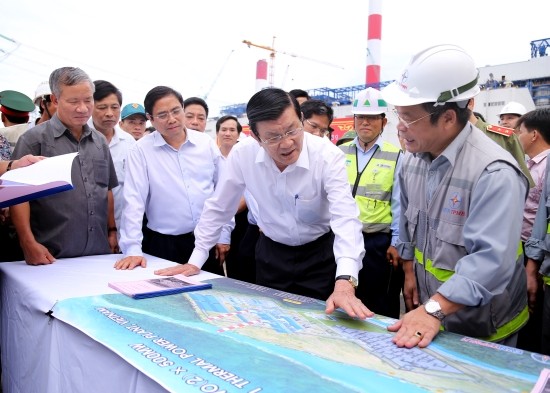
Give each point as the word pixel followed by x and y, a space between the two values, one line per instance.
pixel 217 76
pixel 272 53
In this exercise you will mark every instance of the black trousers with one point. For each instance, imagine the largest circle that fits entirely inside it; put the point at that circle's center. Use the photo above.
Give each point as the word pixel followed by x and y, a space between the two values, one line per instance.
pixel 530 336
pixel 379 283
pixel 306 270
pixel 240 261
pixel 177 248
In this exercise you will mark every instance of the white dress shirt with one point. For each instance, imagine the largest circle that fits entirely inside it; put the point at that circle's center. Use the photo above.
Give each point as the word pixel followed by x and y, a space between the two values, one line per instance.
pixel 120 144
pixel 170 186
pixel 295 206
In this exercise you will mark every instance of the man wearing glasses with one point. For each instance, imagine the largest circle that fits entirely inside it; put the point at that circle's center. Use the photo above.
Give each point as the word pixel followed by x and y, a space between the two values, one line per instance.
pixel 169 175
pixel 462 199
pixel 311 241
pixel 317 117
pixel 372 167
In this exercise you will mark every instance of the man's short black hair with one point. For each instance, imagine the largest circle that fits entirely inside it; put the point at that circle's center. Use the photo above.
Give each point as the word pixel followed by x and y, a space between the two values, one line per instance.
pixel 104 89
pixel 196 101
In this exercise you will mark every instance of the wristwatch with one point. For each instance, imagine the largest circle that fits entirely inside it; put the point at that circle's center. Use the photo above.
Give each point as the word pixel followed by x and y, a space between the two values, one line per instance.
pixel 434 309
pixel 352 280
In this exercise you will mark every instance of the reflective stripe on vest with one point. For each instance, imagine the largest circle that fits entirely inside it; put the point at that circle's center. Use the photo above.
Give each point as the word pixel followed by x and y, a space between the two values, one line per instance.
pixel 373 193
pixel 502 332
pixel 443 274
pixel 510 327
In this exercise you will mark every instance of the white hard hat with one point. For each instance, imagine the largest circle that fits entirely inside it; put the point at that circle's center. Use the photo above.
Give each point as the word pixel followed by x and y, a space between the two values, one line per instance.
pixel 442 73
pixel 513 108
pixel 369 102
pixel 42 90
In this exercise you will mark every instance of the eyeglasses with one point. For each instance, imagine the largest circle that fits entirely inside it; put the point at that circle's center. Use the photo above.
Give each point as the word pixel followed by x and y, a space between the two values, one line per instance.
pixel 164 115
pixel 410 123
pixel 317 127
pixel 369 118
pixel 278 139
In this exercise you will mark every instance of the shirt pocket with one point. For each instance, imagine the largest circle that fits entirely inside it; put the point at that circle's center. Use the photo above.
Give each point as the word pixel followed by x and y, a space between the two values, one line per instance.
pixel 308 210
pixel 449 245
pixel 411 215
pixel 101 172
pixel 120 169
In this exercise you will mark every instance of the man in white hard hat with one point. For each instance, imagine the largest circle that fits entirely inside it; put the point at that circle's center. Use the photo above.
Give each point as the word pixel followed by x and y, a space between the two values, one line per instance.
pixel 462 199
pixel 510 114
pixel 43 100
pixel 372 166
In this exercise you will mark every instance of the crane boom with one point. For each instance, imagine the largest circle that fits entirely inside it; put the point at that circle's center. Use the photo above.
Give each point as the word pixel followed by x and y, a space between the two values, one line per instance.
pixel 274 51
pixel 218 75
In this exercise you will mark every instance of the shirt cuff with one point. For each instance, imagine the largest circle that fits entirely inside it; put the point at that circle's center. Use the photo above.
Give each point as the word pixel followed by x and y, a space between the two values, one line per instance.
pixel 225 236
pixel 406 250
pixel 395 240
pixel 197 258
pixel 133 251
pixel 347 267
pixel 534 249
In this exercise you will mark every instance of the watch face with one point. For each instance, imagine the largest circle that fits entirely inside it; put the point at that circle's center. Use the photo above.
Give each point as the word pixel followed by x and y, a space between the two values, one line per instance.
pixel 432 306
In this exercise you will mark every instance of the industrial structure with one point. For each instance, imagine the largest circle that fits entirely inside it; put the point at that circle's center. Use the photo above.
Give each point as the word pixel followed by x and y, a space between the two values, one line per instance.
pixel 527 80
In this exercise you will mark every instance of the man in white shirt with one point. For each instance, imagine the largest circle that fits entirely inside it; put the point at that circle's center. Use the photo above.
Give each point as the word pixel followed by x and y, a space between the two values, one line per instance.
pixel 107 102
pixel 311 242
pixel 169 175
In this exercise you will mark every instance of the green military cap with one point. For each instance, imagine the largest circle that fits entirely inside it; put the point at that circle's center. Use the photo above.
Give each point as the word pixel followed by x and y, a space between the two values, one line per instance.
pixel 348 136
pixel 14 103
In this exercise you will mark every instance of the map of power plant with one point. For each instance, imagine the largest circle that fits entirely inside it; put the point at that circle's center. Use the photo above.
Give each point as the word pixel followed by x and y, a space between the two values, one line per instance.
pixel 247 338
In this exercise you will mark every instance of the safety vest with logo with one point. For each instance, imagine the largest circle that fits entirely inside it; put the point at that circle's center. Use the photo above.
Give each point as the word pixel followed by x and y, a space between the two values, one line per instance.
pixel 545 266
pixel 374 189
pixel 436 231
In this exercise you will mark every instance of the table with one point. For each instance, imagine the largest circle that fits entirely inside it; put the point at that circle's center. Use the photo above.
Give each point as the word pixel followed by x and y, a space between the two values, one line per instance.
pixel 44 355
pixel 234 337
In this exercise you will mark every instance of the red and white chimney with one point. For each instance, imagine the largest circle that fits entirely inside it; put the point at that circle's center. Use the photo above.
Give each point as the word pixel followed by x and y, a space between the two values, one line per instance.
pixel 373 43
pixel 261 75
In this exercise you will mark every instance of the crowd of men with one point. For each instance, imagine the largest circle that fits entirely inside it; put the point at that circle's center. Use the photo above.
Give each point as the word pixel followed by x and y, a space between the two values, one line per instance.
pixel 451 221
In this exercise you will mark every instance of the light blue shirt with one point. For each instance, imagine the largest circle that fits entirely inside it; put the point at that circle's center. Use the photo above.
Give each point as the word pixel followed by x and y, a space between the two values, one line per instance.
pixel 363 158
pixel 170 186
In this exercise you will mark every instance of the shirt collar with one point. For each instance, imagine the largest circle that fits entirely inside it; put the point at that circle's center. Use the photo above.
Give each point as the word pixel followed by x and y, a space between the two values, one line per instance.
pixel 59 128
pixel 541 156
pixel 378 143
pixel 190 137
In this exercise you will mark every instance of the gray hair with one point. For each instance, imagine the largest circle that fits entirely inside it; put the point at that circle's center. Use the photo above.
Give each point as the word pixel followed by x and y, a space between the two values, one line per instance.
pixel 68 76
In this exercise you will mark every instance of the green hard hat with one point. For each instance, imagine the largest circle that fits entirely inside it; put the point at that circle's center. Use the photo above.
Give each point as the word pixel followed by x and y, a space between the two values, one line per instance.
pixel 16 101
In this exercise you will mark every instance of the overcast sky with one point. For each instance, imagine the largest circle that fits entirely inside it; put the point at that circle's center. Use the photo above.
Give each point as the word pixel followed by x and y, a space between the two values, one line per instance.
pixel 196 46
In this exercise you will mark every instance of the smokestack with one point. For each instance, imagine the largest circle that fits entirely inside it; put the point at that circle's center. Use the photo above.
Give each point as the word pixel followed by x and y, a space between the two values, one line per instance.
pixel 373 43
pixel 261 75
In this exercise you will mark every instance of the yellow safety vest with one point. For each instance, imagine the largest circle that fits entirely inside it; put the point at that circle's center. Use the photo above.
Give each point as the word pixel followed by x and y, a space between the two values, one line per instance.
pixel 373 189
